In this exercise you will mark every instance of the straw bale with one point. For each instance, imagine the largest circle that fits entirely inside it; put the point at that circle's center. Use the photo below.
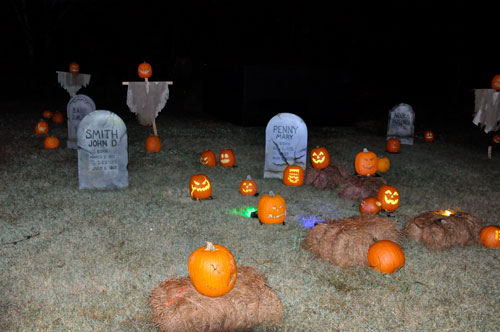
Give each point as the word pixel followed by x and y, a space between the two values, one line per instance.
pixel 177 306
pixel 361 187
pixel 328 178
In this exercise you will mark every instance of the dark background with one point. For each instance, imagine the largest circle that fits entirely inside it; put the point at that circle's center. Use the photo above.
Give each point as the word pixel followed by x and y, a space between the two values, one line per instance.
pixel 245 61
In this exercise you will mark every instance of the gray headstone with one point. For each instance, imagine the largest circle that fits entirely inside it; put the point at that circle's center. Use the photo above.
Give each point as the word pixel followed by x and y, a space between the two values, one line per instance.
pixel 78 107
pixel 102 151
pixel 401 123
pixel 286 143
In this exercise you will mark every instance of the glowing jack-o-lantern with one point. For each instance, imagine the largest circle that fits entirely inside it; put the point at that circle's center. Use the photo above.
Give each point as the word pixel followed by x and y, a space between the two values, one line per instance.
pixel 495 139
pixel 200 187
pixel 144 70
pixel 248 187
pixel 293 176
pixel 47 114
pixel 429 136
pixel 320 158
pixel 74 68
pixel 42 127
pixel 388 196
pixel 490 236
pixel 208 158
pixel 226 158
pixel 393 145
pixel 271 209
pixel 495 82
pixel 365 163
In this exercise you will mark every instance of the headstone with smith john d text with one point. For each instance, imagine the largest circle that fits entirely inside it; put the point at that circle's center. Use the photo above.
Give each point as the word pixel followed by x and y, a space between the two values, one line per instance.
pixel 286 144
pixel 102 151
pixel 401 123
pixel 78 107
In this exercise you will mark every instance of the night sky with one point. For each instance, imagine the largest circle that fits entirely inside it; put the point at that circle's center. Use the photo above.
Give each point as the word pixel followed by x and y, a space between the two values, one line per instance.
pixel 354 58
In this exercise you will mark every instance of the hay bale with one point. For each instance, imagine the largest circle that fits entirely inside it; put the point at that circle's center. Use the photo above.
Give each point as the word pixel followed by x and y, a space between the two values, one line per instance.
pixel 438 231
pixel 177 306
pixel 328 178
pixel 345 243
pixel 361 187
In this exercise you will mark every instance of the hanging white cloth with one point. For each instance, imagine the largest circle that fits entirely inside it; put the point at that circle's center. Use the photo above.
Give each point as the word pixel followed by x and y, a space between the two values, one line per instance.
pixel 487 109
pixel 147 99
pixel 72 82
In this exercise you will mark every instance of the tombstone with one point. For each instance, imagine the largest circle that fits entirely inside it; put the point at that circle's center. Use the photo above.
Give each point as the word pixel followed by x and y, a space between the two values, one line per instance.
pixel 400 125
pixel 102 151
pixel 286 144
pixel 78 107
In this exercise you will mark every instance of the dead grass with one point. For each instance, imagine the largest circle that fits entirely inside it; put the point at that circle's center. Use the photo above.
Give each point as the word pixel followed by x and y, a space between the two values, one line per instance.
pixel 98 254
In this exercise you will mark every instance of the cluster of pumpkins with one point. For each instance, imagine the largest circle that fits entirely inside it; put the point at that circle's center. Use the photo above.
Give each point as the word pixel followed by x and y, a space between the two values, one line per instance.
pixel 42 127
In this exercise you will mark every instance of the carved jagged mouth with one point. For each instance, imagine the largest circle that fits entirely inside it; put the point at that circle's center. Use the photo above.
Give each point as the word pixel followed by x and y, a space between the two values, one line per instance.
pixel 392 201
pixel 319 160
pixel 224 161
pixel 204 160
pixel 271 216
pixel 293 179
pixel 246 190
pixel 205 188
pixel 144 71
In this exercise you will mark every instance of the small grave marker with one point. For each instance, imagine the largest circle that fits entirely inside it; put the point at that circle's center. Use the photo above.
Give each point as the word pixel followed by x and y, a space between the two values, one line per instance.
pixel 78 107
pixel 401 123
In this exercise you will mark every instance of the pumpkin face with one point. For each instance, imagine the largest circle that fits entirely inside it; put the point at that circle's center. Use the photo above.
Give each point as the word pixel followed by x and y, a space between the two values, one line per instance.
pixel 385 256
pixel 393 145
pixel 47 114
pixel 144 70
pixel 429 136
pixel 212 270
pixel 370 205
pixel 365 163
pixel 57 117
pixel 74 68
pixel 248 187
pixel 153 144
pixel 388 197
pixel 51 142
pixel 383 164
pixel 208 158
pixel 42 127
pixel 490 236
pixel 271 209
pixel 293 176
pixel 495 82
pixel 226 158
pixel 200 186
pixel 495 139
pixel 320 158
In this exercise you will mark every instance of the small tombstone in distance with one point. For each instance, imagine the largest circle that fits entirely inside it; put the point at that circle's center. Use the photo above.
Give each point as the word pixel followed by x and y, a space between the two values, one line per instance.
pixel 286 144
pixel 401 123
pixel 102 151
pixel 78 107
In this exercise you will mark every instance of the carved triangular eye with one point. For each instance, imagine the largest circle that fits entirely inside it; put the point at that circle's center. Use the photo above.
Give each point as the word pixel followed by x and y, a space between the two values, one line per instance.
pixel 196 182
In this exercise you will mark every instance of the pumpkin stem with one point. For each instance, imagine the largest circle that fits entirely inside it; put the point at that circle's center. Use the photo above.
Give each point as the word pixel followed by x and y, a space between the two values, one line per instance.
pixel 210 247
pixel 271 194
pixel 249 177
pixel 365 150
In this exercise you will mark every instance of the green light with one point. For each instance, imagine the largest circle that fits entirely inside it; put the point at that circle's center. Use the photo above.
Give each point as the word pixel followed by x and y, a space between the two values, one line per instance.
pixel 245 211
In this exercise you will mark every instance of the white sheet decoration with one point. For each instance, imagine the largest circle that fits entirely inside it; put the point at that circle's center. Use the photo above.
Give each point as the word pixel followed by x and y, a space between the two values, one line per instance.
pixel 147 99
pixel 487 109
pixel 72 82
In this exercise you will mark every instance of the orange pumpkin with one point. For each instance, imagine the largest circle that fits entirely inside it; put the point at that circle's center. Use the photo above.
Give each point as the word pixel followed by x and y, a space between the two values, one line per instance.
pixel 495 82
pixel 74 68
pixel 153 144
pixel 47 114
pixel 385 256
pixel 200 187
pixel 495 139
pixel 388 196
pixel 365 163
pixel 212 270
pixel 320 158
pixel 51 142
pixel 383 164
pixel 429 136
pixel 293 176
pixel 42 127
pixel 271 209
pixel 248 187
pixel 370 205
pixel 208 158
pixel 57 117
pixel 393 145
pixel 226 158
pixel 144 70
pixel 490 236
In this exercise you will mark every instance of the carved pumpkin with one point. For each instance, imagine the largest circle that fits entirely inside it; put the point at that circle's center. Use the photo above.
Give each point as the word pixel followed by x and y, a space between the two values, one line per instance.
pixel 42 127
pixel 200 187
pixel 208 158
pixel 74 68
pixel 365 163
pixel 370 205
pixel 293 176
pixel 47 114
pixel 271 209
pixel 490 236
pixel 495 139
pixel 153 144
pixel 212 270
pixel 388 196
pixel 320 158
pixel 248 187
pixel 385 256
pixel 393 145
pixel 429 136
pixel 144 70
pixel 57 117
pixel 226 158
pixel 383 164
pixel 51 142
pixel 495 82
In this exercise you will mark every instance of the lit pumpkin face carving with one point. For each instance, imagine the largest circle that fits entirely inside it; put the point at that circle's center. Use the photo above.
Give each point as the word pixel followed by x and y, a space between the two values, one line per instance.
pixel 144 70
pixel 200 187
pixel 248 187
pixel 208 158
pixel 42 127
pixel 226 158
pixel 495 139
pixel 429 136
pixel 320 158
pixel 388 196
pixel 495 82
pixel 365 163
pixel 47 114
pixel 271 209
pixel 74 68
pixel 293 176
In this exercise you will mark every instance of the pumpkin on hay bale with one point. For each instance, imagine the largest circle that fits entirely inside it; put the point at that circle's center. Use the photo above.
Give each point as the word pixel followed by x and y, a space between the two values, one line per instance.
pixel 177 306
pixel 329 177
pixel 361 187
pixel 345 242
pixel 443 228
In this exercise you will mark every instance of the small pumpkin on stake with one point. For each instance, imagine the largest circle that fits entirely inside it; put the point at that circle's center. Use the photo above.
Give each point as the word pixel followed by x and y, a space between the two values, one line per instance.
pixel 145 70
pixel 74 68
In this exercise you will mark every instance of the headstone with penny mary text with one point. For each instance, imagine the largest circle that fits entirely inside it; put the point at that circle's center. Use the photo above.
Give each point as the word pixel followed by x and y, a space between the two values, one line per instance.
pixel 401 123
pixel 78 107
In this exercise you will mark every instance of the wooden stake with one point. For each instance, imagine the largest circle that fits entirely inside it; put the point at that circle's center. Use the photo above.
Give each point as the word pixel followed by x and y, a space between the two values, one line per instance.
pixel 154 127
pixel 489 152
pixel 168 82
